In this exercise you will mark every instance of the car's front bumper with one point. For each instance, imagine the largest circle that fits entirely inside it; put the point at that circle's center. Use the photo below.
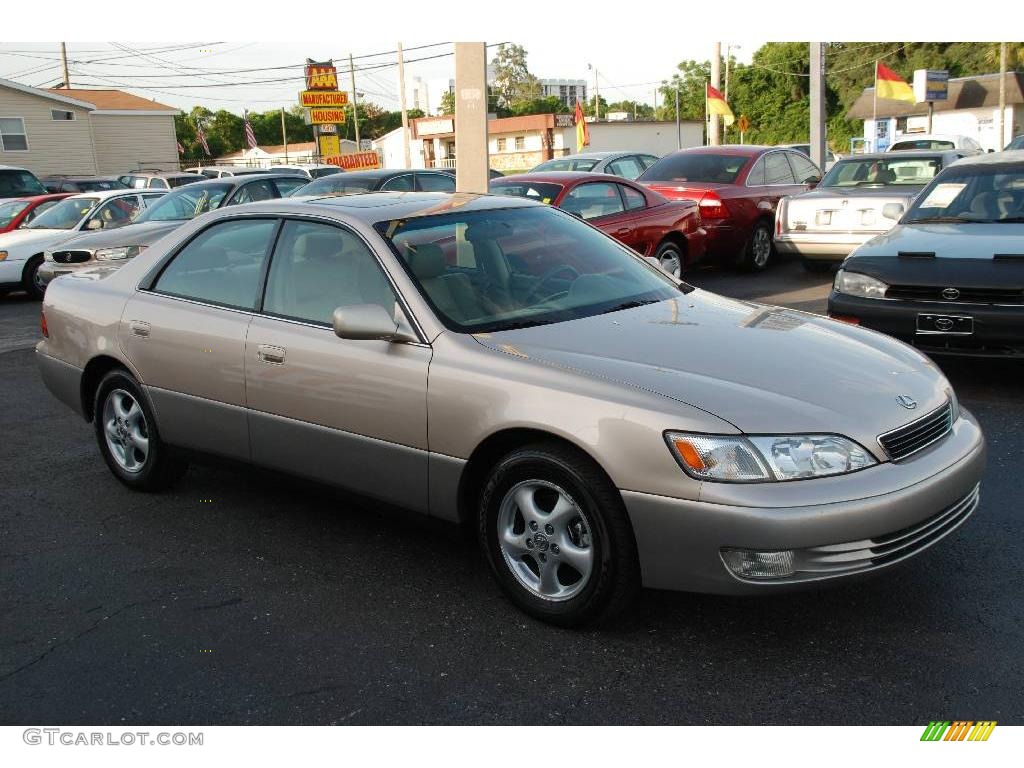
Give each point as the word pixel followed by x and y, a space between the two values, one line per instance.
pixel 998 330
pixel 852 525
pixel 821 246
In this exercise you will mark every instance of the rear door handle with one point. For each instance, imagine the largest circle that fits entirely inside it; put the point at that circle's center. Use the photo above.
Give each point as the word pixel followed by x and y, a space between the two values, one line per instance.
pixel 622 232
pixel 139 328
pixel 270 354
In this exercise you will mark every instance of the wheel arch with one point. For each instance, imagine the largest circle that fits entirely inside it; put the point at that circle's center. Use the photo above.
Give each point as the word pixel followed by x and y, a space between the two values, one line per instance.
pixel 92 375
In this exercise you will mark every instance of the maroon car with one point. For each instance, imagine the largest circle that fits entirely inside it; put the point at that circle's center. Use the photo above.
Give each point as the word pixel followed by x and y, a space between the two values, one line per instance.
pixel 634 215
pixel 737 189
pixel 16 211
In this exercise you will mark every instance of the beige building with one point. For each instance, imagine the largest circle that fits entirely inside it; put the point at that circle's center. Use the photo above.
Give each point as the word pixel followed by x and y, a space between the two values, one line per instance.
pixel 81 131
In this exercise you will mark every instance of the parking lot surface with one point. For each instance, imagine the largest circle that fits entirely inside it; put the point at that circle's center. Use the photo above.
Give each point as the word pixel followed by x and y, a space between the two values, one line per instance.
pixel 245 597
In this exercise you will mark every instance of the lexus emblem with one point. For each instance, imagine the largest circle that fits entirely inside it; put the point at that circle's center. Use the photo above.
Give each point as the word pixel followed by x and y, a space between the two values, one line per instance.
pixel 950 293
pixel 907 402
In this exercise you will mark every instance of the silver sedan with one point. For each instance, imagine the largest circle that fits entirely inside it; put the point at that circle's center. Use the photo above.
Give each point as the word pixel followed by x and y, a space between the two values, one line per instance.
pixel 499 363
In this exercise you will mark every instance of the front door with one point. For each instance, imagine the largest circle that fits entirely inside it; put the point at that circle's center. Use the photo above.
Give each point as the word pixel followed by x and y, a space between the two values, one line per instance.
pixel 185 336
pixel 351 413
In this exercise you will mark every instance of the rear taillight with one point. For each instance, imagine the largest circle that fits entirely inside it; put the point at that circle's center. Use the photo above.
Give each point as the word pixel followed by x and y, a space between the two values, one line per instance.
pixel 845 319
pixel 713 207
pixel 42 325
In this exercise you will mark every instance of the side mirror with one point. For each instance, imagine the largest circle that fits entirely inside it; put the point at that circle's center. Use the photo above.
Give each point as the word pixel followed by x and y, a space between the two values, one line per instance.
pixel 893 210
pixel 363 322
pixel 94 224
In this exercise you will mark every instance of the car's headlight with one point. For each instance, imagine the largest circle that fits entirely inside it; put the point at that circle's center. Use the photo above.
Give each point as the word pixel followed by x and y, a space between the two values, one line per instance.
pixel 856 284
pixel 114 254
pixel 724 458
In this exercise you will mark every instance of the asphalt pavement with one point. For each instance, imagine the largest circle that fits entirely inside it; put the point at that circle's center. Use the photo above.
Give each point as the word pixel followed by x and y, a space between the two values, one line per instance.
pixel 241 597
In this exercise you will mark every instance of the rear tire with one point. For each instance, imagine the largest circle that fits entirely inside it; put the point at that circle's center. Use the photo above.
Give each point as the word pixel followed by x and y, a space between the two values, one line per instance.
pixel 30 279
pixel 759 249
pixel 128 437
pixel 670 257
pixel 557 537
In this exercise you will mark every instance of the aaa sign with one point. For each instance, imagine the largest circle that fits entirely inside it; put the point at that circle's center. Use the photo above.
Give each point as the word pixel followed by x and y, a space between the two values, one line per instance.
pixel 321 77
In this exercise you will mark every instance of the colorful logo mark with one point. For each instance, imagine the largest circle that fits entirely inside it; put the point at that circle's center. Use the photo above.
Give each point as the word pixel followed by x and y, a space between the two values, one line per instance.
pixel 958 730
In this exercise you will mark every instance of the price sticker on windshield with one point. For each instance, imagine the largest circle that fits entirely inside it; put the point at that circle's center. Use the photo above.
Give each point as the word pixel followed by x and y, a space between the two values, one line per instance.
pixel 943 195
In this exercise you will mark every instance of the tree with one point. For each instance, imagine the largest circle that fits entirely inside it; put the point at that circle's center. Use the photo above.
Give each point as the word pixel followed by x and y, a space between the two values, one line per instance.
pixel 512 80
pixel 447 103
pixel 641 110
pixel 544 105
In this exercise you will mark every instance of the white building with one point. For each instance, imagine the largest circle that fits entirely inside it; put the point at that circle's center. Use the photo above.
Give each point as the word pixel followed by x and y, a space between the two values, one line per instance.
pixel 566 91
pixel 971 109
pixel 279 154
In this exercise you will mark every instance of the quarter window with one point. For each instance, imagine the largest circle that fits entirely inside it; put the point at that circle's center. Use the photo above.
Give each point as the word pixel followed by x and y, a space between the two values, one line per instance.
pixel 626 167
pixel 593 200
pixel 401 183
pixel 803 168
pixel 756 176
pixel 222 265
pixel 12 134
pixel 634 200
pixel 317 268
pixel 777 170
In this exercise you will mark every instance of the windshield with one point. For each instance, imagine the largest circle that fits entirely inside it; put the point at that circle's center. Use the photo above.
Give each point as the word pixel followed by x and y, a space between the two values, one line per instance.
pixel 542 191
pixel 694 166
pixel 899 146
pixel 19 183
pixel 9 210
pixel 341 184
pixel 518 267
pixel 66 214
pixel 972 193
pixel 883 172
pixel 567 164
pixel 316 173
pixel 186 203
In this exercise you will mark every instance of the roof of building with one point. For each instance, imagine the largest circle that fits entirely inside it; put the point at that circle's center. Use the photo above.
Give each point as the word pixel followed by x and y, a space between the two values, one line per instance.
pixel 963 93
pixel 107 100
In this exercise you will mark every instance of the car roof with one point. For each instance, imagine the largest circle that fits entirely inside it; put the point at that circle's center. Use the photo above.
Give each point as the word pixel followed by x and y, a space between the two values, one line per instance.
pixel 13 168
pixel 38 198
pixel 742 150
pixel 564 177
pixel 371 207
pixel 903 154
pixel 926 136
pixel 104 194
pixel 245 178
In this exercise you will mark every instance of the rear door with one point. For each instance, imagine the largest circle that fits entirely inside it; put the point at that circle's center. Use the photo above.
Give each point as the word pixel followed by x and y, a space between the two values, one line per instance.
pixel 184 333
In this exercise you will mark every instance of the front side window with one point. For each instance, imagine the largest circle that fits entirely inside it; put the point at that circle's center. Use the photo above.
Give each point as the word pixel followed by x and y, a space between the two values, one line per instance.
pixel 516 267
pixel 16 183
pixel 317 268
pixel 222 265
pixel 159 184
pixel 436 182
pixel 12 134
pixel 697 166
pixel 591 201
pixel 186 203
pixel 971 194
pixel 117 212
pixel 66 214
pixel 777 169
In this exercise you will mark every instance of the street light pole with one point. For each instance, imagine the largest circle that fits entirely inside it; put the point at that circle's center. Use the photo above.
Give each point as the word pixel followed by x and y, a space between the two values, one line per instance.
pixel 679 134
pixel 355 114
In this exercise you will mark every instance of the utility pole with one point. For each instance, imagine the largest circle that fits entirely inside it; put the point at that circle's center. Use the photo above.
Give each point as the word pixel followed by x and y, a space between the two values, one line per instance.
pixel 64 62
pixel 472 167
pixel 355 115
pixel 1001 142
pixel 679 132
pixel 284 136
pixel 714 138
pixel 405 114
pixel 818 105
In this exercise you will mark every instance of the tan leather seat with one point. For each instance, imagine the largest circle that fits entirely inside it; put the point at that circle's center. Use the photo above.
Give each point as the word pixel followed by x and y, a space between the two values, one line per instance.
pixel 453 293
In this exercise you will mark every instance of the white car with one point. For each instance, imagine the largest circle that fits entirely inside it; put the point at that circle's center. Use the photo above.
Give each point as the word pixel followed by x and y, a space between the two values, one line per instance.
pixel 312 170
pixel 934 141
pixel 220 171
pixel 21 251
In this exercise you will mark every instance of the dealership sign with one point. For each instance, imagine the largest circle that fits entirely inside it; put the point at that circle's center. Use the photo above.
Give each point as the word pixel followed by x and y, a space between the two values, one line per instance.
pixel 330 145
pixel 327 116
pixel 321 76
pixel 355 161
pixel 931 85
pixel 323 98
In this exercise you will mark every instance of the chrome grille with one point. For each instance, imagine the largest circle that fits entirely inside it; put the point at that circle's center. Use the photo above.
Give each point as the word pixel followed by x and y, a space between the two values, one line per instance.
pixel 911 438
pixel 71 257
pixel 836 559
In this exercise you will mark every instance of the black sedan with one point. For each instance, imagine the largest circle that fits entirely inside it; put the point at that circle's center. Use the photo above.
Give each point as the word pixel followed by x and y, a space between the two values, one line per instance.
pixel 380 180
pixel 949 278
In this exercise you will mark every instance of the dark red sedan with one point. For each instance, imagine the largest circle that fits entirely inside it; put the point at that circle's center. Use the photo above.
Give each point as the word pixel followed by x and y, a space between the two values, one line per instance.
pixel 634 215
pixel 21 210
pixel 737 188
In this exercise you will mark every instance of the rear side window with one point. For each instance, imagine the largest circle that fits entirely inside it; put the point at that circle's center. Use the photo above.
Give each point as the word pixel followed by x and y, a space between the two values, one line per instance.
pixel 803 168
pixel 254 192
pixel 286 186
pixel 777 170
pixel 634 200
pixel 626 167
pixel 401 183
pixel 222 265
pixel 436 182
pixel 593 200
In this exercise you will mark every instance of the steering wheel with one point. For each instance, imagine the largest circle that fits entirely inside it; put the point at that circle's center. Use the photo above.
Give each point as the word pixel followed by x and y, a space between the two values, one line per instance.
pixel 547 276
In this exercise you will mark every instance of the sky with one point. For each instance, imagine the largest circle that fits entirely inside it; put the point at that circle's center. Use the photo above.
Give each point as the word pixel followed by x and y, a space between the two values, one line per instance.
pixel 167 71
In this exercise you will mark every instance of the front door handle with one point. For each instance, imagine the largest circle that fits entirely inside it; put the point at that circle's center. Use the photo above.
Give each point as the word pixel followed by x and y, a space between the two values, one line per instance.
pixel 270 354
pixel 622 232
pixel 139 328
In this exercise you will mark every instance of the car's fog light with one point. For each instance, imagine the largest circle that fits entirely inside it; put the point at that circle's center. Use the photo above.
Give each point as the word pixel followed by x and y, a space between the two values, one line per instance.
pixel 748 564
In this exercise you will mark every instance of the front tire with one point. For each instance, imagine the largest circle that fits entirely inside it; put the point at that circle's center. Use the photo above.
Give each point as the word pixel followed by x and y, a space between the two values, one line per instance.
pixel 760 248
pixel 30 279
pixel 556 535
pixel 128 438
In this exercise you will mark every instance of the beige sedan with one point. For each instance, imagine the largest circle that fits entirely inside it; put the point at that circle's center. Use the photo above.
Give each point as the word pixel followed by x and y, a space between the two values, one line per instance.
pixel 499 363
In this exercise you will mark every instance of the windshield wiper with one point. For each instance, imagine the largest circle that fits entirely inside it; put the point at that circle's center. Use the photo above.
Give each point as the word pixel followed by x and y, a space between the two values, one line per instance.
pixel 946 220
pixel 631 304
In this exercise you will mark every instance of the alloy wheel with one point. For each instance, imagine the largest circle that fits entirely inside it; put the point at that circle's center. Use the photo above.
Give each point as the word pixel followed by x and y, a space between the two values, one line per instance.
pixel 671 262
pixel 762 246
pixel 126 431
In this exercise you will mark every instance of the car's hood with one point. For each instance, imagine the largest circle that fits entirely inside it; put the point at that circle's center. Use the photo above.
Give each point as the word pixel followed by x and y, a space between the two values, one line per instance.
pixel 34 240
pixel 948 241
pixel 763 369
pixel 144 233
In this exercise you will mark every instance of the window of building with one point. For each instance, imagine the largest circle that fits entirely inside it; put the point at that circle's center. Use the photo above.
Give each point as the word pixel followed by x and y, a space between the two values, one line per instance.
pixel 61 114
pixel 502 145
pixel 12 134
pixel 520 142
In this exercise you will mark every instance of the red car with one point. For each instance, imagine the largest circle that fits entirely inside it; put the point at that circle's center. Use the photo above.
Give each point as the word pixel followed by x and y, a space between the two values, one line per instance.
pixel 634 215
pixel 737 188
pixel 21 210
